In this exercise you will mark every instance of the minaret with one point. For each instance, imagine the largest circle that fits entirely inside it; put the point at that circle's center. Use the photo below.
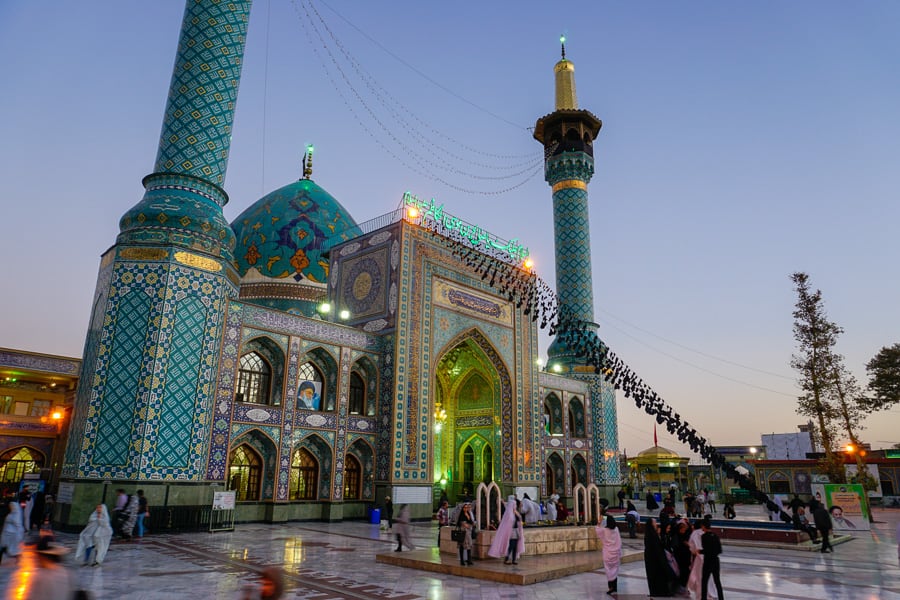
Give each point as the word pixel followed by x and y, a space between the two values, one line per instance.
pixel 568 136
pixel 148 376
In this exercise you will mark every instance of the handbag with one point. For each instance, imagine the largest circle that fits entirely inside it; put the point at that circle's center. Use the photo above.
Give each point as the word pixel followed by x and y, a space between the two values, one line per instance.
pixel 457 535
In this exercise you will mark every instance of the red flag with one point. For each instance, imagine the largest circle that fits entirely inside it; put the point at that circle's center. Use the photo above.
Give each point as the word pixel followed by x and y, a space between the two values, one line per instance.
pixel 655 441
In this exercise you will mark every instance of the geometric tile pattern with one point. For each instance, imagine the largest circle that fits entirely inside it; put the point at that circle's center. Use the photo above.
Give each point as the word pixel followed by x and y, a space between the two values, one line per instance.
pixel 150 392
pixel 88 368
pixel 196 134
pixel 288 439
pixel 173 435
pixel 223 404
pixel 123 377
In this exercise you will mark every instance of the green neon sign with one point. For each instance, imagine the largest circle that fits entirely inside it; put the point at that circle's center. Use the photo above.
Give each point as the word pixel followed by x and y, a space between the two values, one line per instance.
pixel 433 214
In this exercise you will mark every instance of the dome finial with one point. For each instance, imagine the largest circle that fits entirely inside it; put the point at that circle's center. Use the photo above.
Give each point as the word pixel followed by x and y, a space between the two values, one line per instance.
pixel 562 42
pixel 307 161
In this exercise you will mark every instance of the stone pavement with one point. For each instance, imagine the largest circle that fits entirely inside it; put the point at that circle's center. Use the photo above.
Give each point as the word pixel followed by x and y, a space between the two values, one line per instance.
pixel 324 561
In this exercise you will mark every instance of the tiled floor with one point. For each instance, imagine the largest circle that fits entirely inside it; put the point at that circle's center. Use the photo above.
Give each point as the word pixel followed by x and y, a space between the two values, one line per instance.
pixel 325 561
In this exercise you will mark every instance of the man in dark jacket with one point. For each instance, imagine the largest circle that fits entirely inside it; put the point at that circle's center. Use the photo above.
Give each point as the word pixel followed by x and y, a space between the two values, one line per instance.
pixel 823 523
pixel 711 549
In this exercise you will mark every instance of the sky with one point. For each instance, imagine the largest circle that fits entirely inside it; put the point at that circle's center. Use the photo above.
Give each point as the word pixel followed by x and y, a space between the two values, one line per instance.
pixel 741 142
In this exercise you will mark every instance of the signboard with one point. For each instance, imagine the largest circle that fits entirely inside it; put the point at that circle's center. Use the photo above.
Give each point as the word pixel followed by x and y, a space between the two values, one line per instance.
pixel 223 500
pixel 412 495
pixel 65 492
pixel 846 503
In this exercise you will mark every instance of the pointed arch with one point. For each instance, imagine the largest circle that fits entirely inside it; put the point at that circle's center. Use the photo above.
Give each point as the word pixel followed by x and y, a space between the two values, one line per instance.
pixel 556 474
pixel 17 461
pixel 366 369
pixel 577 427
pixel 322 452
pixel 253 480
pixel 326 366
pixel 260 376
pixel 365 454
pixel 503 399
pixel 553 414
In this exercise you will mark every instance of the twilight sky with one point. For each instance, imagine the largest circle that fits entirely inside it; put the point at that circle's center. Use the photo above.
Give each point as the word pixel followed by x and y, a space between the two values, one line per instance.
pixel 741 143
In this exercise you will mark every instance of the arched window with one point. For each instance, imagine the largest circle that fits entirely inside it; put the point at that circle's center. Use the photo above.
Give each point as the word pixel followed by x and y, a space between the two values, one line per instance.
pixel 550 478
pixel 576 418
pixel 304 475
pixel 553 416
pixel 573 475
pixel 468 464
pixel 357 394
pixel 245 473
pixel 311 392
pixel 16 462
pixel 352 478
pixel 254 378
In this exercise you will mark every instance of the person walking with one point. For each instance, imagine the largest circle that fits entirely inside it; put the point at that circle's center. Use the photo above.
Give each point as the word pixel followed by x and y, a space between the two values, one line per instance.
pixel 695 543
pixel 51 580
pixel 13 531
pixel 651 501
pixel 269 587
pixel 509 541
pixel 389 512
pixel 621 496
pixel 711 549
pixel 143 511
pixel 95 538
pixel 443 517
pixel 612 552
pixel 129 516
pixel 404 535
pixel 823 523
pixel 660 579
pixel 466 523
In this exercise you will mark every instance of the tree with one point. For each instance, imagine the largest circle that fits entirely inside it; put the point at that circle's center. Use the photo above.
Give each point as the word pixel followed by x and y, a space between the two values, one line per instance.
pixel 816 337
pixel 884 378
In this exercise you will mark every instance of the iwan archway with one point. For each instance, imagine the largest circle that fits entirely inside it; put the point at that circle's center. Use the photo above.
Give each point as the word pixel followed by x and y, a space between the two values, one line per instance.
pixel 473 411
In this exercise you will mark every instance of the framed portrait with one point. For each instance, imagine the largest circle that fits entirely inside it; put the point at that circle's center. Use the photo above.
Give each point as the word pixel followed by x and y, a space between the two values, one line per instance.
pixel 309 395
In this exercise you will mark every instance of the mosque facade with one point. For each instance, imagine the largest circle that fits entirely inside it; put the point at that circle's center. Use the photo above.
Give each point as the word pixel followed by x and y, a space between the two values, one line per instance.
pixel 314 364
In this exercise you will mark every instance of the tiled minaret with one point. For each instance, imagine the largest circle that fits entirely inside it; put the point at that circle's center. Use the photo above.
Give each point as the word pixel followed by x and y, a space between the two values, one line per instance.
pixel 148 376
pixel 568 135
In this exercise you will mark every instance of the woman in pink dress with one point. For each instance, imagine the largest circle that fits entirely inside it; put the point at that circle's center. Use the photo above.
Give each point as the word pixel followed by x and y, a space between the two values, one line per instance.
pixel 612 552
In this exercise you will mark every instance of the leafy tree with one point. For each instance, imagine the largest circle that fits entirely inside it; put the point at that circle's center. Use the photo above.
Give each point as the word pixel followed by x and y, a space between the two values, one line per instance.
pixel 884 378
pixel 816 337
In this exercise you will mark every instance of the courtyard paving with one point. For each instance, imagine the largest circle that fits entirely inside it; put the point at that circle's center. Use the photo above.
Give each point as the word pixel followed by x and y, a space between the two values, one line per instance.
pixel 324 561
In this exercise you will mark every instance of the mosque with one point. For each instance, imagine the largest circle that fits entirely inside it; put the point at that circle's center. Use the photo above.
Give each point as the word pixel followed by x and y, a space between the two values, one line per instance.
pixel 313 363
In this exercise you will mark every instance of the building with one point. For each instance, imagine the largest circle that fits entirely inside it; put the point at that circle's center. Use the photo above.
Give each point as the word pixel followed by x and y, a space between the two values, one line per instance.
pixel 37 392
pixel 312 364
pixel 785 446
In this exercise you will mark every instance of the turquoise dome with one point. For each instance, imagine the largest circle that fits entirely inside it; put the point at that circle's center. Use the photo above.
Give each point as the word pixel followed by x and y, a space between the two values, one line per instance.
pixel 283 234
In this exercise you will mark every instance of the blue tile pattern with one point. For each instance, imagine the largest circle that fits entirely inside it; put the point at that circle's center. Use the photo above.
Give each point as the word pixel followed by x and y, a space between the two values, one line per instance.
pixel 196 134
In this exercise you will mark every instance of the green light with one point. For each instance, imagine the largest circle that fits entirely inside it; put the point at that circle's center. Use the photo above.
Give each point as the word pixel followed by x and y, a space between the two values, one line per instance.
pixel 310 148
pixel 562 39
pixel 324 307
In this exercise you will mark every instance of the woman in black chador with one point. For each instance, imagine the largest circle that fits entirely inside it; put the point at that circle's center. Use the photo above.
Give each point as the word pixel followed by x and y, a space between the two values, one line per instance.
pixel 651 502
pixel 660 578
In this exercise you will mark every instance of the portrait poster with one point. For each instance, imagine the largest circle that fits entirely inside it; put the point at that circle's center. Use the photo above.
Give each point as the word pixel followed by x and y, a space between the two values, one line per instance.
pixel 846 503
pixel 309 395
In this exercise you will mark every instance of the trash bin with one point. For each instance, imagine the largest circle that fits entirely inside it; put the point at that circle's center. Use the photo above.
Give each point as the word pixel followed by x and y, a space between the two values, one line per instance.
pixel 375 516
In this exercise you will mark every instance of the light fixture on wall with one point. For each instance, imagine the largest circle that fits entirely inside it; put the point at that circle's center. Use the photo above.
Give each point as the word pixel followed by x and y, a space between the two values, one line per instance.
pixel 440 417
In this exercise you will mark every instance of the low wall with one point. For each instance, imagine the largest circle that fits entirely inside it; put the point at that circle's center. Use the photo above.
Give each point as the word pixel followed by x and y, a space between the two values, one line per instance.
pixel 747 530
pixel 538 540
